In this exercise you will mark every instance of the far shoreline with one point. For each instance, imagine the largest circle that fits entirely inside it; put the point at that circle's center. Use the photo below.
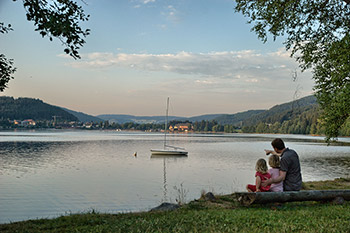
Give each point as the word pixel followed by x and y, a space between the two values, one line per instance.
pixel 162 131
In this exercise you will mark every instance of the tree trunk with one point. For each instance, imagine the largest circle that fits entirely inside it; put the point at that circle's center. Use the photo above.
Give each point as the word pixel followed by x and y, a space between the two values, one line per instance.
pixel 306 195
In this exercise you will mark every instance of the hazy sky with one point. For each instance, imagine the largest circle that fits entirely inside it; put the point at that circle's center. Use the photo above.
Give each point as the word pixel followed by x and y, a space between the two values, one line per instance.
pixel 198 52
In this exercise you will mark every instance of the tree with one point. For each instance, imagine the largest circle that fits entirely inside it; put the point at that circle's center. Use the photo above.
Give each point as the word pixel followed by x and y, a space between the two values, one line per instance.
pixel 318 35
pixel 6 65
pixel 52 19
pixel 6 71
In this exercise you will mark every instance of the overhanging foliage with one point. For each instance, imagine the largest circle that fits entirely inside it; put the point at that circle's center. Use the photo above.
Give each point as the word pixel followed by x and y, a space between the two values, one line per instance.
pixel 53 19
pixel 317 33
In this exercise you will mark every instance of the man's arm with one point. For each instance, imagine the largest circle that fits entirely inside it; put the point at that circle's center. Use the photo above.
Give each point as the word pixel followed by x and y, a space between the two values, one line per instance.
pixel 281 177
pixel 278 179
pixel 267 152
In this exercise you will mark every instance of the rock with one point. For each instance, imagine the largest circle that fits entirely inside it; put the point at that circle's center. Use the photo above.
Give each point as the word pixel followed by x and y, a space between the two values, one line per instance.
pixel 209 196
pixel 166 207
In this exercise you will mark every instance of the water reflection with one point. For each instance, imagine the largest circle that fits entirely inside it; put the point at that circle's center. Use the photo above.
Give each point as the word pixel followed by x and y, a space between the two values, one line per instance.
pixel 326 167
pixel 166 159
pixel 27 157
pixel 45 174
pixel 24 156
pixel 164 182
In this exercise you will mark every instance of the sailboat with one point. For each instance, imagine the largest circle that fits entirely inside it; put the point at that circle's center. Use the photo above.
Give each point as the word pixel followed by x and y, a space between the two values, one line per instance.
pixel 168 150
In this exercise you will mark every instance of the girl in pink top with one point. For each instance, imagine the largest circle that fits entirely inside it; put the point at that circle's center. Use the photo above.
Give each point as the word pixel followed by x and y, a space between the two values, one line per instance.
pixel 274 162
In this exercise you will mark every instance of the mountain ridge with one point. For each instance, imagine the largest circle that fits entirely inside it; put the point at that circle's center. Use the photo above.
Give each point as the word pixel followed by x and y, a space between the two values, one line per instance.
pixel 282 112
pixel 279 113
pixel 29 108
pixel 83 117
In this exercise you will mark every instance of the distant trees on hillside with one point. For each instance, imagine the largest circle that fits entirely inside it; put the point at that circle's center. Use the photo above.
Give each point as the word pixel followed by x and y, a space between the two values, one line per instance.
pixel 290 123
pixel 308 122
pixel 201 126
pixel 300 118
pixel 27 108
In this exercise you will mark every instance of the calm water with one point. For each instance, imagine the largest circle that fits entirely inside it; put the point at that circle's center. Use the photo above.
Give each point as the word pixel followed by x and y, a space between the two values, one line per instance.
pixel 46 174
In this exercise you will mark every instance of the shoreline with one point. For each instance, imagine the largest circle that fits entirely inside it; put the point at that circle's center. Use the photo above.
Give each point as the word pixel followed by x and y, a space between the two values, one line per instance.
pixel 222 203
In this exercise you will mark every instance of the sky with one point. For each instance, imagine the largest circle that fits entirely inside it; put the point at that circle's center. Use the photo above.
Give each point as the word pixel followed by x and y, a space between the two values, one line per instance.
pixel 200 53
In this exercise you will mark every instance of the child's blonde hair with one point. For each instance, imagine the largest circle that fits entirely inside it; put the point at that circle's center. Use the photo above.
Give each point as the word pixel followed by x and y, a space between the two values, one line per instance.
pixel 261 166
pixel 274 161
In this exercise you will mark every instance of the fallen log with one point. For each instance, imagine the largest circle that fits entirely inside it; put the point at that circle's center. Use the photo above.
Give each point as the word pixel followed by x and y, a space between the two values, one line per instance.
pixel 246 198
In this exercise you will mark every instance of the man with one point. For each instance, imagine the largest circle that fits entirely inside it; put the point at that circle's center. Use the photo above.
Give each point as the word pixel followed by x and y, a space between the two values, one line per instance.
pixel 290 172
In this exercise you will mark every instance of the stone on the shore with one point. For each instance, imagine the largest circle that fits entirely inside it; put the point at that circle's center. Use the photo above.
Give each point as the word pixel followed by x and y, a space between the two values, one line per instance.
pixel 209 196
pixel 166 207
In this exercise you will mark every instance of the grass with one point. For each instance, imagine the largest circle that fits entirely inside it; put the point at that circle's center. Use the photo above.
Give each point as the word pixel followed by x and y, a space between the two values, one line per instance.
pixel 339 183
pixel 223 215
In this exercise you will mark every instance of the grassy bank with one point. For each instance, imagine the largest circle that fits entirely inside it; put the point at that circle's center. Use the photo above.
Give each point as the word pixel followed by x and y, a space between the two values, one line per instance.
pixel 222 215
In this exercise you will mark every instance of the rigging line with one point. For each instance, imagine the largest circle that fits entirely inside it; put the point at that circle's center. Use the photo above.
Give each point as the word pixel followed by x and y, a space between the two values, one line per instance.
pixel 172 109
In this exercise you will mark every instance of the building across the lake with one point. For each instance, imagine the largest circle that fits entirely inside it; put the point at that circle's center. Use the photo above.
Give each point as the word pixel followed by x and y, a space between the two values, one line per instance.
pixel 28 122
pixel 181 127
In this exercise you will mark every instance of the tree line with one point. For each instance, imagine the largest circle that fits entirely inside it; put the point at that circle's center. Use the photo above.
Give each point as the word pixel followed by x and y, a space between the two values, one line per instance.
pixel 201 126
pixel 307 122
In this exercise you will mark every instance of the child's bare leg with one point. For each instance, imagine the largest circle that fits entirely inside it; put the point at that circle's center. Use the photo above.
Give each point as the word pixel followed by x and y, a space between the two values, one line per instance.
pixel 249 190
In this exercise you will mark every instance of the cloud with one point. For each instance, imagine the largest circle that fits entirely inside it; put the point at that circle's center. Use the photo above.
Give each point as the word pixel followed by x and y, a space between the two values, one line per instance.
pixel 237 80
pixel 219 73
pixel 171 14
pixel 140 3
pixel 148 1
pixel 249 65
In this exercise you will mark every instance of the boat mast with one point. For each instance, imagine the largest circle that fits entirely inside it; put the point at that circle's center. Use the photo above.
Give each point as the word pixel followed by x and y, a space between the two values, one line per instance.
pixel 166 122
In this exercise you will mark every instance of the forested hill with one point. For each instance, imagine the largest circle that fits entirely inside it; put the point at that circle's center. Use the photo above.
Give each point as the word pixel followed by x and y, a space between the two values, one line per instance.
pixel 237 118
pixel 283 112
pixel 297 117
pixel 28 108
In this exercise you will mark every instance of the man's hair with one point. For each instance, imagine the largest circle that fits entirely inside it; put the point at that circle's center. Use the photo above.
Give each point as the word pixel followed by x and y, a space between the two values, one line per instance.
pixel 278 143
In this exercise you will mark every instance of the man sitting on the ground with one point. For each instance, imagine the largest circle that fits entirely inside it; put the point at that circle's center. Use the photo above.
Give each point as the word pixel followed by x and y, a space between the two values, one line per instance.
pixel 290 171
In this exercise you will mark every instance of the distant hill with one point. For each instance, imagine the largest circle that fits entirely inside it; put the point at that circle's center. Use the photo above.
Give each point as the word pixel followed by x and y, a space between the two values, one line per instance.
pixel 283 112
pixel 297 117
pixel 222 119
pixel 121 118
pixel 238 118
pixel 277 113
pixel 291 113
pixel 28 108
pixel 83 117
pixel 207 117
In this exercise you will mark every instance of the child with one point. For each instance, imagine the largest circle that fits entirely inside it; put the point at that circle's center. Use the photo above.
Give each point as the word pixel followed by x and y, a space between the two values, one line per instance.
pixel 274 162
pixel 261 174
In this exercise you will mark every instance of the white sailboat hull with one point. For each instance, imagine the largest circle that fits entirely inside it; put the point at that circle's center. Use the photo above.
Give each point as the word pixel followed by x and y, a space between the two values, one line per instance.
pixel 169 152
pixel 175 151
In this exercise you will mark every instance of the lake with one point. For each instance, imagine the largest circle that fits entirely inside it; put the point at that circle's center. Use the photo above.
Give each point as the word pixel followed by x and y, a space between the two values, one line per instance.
pixel 46 174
